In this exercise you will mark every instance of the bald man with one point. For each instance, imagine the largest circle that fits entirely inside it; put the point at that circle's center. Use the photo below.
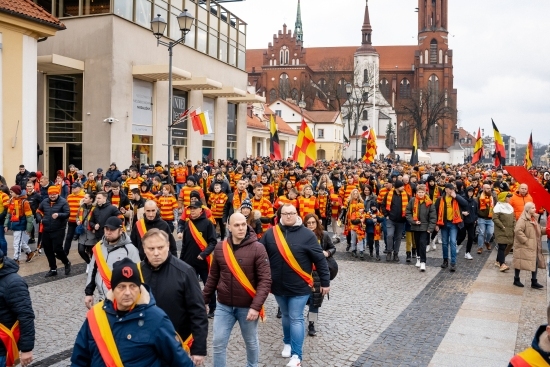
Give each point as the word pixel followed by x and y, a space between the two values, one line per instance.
pixel 151 219
pixel 519 199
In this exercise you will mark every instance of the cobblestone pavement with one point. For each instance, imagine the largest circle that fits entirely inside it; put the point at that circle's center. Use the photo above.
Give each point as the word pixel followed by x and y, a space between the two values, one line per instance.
pixel 379 314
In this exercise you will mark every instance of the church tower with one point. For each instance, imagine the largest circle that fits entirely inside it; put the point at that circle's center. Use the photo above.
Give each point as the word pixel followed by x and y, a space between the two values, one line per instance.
pixel 298 31
pixel 366 58
pixel 432 15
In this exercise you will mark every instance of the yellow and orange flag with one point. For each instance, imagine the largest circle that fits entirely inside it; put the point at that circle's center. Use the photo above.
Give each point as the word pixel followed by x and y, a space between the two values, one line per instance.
pixel 370 153
pixel 305 152
pixel 528 163
pixel 478 148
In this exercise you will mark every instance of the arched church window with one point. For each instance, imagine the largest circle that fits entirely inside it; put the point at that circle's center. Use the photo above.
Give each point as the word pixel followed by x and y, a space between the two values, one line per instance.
pixel 434 135
pixel 385 87
pixel 433 52
pixel 404 135
pixel 322 84
pixel 284 55
pixel 284 86
pixel 295 95
pixel 342 89
pixel 272 95
pixel 405 88
pixel 433 89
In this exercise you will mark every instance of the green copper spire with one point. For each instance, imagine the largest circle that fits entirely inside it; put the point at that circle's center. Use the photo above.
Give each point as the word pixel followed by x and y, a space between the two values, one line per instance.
pixel 298 31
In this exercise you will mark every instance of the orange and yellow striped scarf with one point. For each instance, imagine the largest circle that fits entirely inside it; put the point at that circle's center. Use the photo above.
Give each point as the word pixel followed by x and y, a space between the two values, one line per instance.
pixel 441 212
pixel 417 203
pixel 404 201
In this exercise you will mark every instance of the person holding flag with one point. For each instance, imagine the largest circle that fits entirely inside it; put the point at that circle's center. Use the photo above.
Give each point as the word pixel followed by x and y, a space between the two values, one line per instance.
pixel 242 286
pixel 500 151
pixel 528 163
pixel 114 246
pixel 414 153
pixel 478 148
pixel 198 236
pixel 274 147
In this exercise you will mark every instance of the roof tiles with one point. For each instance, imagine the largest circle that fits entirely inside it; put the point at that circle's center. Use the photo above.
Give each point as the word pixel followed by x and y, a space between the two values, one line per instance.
pixel 28 9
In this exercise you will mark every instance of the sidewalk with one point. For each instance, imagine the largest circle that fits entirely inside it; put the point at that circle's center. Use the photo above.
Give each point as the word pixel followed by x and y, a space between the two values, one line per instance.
pixel 496 320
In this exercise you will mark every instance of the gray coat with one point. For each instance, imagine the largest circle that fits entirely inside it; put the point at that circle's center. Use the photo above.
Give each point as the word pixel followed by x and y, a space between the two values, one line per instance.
pixel 528 245
pixel 504 225
pixel 426 215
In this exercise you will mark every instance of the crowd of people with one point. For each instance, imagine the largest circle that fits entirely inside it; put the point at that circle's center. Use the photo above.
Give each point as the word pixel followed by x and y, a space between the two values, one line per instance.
pixel 249 228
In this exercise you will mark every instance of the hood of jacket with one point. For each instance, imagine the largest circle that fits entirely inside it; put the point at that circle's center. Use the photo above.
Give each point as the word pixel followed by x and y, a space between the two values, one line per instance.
pixel 505 208
pixel 293 227
pixel 122 241
pixel 8 267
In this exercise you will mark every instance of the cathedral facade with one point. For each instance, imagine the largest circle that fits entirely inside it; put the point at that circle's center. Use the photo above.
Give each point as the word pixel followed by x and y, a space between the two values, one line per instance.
pixel 403 74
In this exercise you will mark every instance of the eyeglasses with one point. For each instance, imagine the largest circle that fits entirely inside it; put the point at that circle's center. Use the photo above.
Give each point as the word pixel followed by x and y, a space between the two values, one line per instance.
pixel 289 214
pixel 311 223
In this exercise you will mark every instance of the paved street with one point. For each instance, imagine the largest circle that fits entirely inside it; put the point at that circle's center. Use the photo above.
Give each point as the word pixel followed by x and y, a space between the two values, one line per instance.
pixel 379 314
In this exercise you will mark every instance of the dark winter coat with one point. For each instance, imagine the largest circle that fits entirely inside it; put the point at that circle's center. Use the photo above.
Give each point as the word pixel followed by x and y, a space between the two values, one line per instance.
pixel 254 262
pixel 21 179
pixel 306 250
pixel 123 202
pixel 395 214
pixel 177 292
pixel 316 296
pixel 426 215
pixel 471 208
pixel 144 337
pixel 47 208
pixel 228 208
pixel 15 304
pixel 157 223
pixel 113 175
pixel 225 186
pixel 100 215
pixel 34 200
pixel 190 249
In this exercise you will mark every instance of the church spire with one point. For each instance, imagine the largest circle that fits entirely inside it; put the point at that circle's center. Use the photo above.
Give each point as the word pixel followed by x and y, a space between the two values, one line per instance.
pixel 298 25
pixel 366 32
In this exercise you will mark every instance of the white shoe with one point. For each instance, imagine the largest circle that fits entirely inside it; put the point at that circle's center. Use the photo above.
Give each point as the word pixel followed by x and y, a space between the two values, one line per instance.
pixel 286 351
pixel 433 246
pixel 427 248
pixel 417 262
pixel 294 361
pixel 422 266
pixel 468 256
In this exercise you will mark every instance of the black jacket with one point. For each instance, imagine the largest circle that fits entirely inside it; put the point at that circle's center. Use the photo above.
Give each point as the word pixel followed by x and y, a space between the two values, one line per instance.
pixel 34 200
pixel 306 250
pixel 124 201
pixel 228 208
pixel 225 186
pixel 47 208
pixel 189 248
pixel 22 178
pixel 15 304
pixel 326 245
pixel 472 208
pixel 157 223
pixel 395 214
pixel 100 215
pixel 177 292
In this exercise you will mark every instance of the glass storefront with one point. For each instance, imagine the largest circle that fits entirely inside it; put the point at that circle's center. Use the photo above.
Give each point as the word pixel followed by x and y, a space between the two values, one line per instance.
pixel 231 131
pixel 142 150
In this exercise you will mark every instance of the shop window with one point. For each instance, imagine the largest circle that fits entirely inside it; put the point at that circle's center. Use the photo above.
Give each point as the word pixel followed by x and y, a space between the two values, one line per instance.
pixel 142 149
pixel 207 150
pixel 97 7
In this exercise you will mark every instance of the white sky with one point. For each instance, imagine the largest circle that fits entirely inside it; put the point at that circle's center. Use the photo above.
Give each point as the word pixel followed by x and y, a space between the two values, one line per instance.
pixel 501 50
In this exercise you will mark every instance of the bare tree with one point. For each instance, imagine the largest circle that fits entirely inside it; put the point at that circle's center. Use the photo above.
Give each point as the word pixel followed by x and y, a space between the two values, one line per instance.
pixel 425 109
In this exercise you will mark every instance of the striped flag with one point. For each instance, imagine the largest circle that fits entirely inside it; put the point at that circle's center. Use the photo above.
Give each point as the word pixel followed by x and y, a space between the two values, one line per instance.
pixel 478 148
pixel 500 151
pixel 274 147
pixel 414 153
pixel 201 122
pixel 529 153
pixel 370 153
pixel 305 152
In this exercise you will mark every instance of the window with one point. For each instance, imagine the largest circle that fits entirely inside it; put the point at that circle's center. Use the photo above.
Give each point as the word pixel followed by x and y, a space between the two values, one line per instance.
pixel 433 89
pixel 284 86
pixel 143 13
pixel 320 133
pixel 342 89
pixel 385 87
pixel 434 136
pixel 69 8
pixel 433 52
pixel 231 130
pixel 405 89
pixel 366 75
pixel 295 95
pixel 284 55
pixel 278 112
pixel 404 134
pixel 272 95
pixel 365 115
pixel 322 84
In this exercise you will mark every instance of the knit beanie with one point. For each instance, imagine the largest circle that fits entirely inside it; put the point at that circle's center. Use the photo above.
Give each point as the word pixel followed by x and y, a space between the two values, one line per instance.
pixel 125 270
pixel 246 204
pixel 16 190
pixel 53 190
pixel 502 196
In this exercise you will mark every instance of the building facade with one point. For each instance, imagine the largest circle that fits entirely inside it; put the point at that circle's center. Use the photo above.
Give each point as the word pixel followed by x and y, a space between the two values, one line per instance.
pixel 22 25
pixel 103 86
pixel 287 70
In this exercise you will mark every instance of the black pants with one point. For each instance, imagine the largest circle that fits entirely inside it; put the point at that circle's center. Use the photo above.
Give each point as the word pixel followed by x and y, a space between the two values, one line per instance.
pixel 373 244
pixel 422 239
pixel 52 243
pixel 219 221
pixel 203 274
pixel 533 274
pixel 85 252
pixel 471 233
pixel 170 225
pixel 348 238
pixel 69 237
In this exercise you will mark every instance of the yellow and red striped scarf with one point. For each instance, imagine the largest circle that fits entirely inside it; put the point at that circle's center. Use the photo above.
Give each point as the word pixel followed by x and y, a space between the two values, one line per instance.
pixel 486 201
pixel 441 212
pixel 417 203
pixel 404 201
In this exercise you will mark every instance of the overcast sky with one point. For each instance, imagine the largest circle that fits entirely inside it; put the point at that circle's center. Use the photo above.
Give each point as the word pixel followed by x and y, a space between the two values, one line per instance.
pixel 501 50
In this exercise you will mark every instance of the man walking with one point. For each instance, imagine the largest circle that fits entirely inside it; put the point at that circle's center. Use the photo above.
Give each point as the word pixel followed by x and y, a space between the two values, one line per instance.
pixel 177 292
pixel 16 316
pixel 198 236
pixel 241 275
pixel 74 199
pixel 114 246
pixel 19 219
pixel 292 251
pixel 394 208
pixel 53 213
pixel 486 227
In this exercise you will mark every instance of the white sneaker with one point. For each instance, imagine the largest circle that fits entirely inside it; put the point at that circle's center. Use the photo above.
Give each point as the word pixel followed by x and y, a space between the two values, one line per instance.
pixel 286 351
pixel 433 246
pixel 468 256
pixel 428 248
pixel 417 262
pixel 422 266
pixel 294 361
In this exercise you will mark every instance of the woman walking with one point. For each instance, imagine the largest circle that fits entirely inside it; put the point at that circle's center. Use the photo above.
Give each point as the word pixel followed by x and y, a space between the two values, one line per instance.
pixel 504 220
pixel 86 239
pixel 527 246
pixel 316 299
pixel 422 217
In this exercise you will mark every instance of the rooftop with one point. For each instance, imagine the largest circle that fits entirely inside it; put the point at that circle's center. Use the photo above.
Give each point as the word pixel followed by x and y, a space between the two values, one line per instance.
pixel 29 10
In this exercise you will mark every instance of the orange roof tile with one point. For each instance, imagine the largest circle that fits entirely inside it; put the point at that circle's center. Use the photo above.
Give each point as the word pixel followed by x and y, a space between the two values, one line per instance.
pixel 400 56
pixel 28 9
pixel 318 105
pixel 255 123
pixel 283 127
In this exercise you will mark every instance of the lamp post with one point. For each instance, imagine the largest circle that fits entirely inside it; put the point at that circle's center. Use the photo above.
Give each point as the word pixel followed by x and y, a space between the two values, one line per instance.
pixel 158 26
pixel 351 100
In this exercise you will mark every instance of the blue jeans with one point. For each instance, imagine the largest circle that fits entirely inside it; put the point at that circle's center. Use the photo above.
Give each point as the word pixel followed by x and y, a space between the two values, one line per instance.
pixel 486 227
pixel 292 308
pixel 178 189
pixel 3 358
pixel 224 320
pixel 3 243
pixel 448 237
pixel 394 233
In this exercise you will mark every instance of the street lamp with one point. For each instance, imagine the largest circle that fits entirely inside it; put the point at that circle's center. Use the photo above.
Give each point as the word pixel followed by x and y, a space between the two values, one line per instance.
pixel 351 100
pixel 158 26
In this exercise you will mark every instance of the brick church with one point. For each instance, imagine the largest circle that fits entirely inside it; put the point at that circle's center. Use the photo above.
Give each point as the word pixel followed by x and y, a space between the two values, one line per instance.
pixel 318 75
